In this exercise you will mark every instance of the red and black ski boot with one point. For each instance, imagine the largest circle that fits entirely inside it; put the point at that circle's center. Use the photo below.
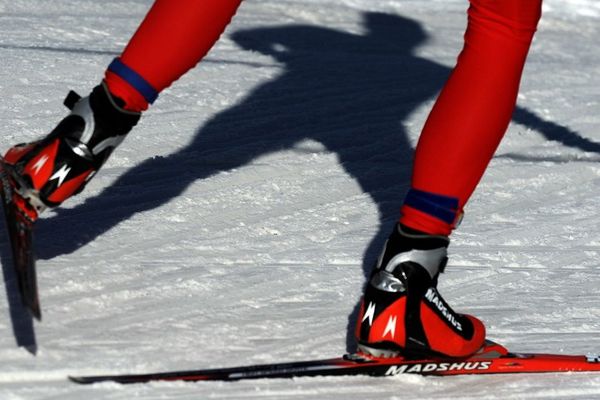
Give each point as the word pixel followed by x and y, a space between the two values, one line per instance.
pixel 403 314
pixel 47 172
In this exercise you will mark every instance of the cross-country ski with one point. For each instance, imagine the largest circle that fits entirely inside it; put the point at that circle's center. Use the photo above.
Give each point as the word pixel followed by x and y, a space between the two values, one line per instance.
pixel 492 359
pixel 19 230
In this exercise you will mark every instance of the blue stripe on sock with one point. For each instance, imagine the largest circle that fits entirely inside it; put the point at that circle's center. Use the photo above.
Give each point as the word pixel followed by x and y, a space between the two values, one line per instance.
pixel 134 79
pixel 441 207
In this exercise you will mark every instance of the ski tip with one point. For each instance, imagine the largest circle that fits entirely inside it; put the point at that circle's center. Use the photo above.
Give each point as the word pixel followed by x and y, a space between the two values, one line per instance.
pixel 87 380
pixel 122 379
pixel 78 379
pixel 36 312
pixel 32 302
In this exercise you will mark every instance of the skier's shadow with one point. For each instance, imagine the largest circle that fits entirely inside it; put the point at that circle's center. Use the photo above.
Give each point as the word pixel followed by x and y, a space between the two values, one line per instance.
pixel 347 91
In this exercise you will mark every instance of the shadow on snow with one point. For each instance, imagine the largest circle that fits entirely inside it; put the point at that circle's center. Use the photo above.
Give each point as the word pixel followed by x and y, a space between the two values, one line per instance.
pixel 349 92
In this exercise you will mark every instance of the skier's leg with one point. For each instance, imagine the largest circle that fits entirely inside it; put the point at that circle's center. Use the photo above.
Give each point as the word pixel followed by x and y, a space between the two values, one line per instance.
pixel 173 37
pixel 402 311
pixel 471 114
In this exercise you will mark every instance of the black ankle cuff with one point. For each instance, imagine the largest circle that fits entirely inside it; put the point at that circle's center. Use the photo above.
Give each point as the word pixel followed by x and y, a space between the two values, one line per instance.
pixel 418 240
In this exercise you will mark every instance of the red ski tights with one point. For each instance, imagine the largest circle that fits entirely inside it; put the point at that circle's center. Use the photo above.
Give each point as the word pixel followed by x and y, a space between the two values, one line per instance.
pixel 173 38
pixel 471 114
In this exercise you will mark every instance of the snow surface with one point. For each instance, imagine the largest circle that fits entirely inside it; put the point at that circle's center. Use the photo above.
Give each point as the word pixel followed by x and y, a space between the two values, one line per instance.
pixel 238 221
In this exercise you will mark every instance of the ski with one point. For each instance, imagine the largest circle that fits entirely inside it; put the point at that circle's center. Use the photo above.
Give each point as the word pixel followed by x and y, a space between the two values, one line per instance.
pixel 20 234
pixel 491 359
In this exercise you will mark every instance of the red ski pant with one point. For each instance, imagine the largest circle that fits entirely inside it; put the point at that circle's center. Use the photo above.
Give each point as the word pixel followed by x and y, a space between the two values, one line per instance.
pixel 172 39
pixel 471 113
pixel 460 136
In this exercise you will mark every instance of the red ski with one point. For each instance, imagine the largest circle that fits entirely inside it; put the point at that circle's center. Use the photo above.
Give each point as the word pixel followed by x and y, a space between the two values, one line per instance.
pixel 491 359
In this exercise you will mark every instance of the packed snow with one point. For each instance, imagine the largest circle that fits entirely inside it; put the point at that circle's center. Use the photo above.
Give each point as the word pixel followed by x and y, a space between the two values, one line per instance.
pixel 237 222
